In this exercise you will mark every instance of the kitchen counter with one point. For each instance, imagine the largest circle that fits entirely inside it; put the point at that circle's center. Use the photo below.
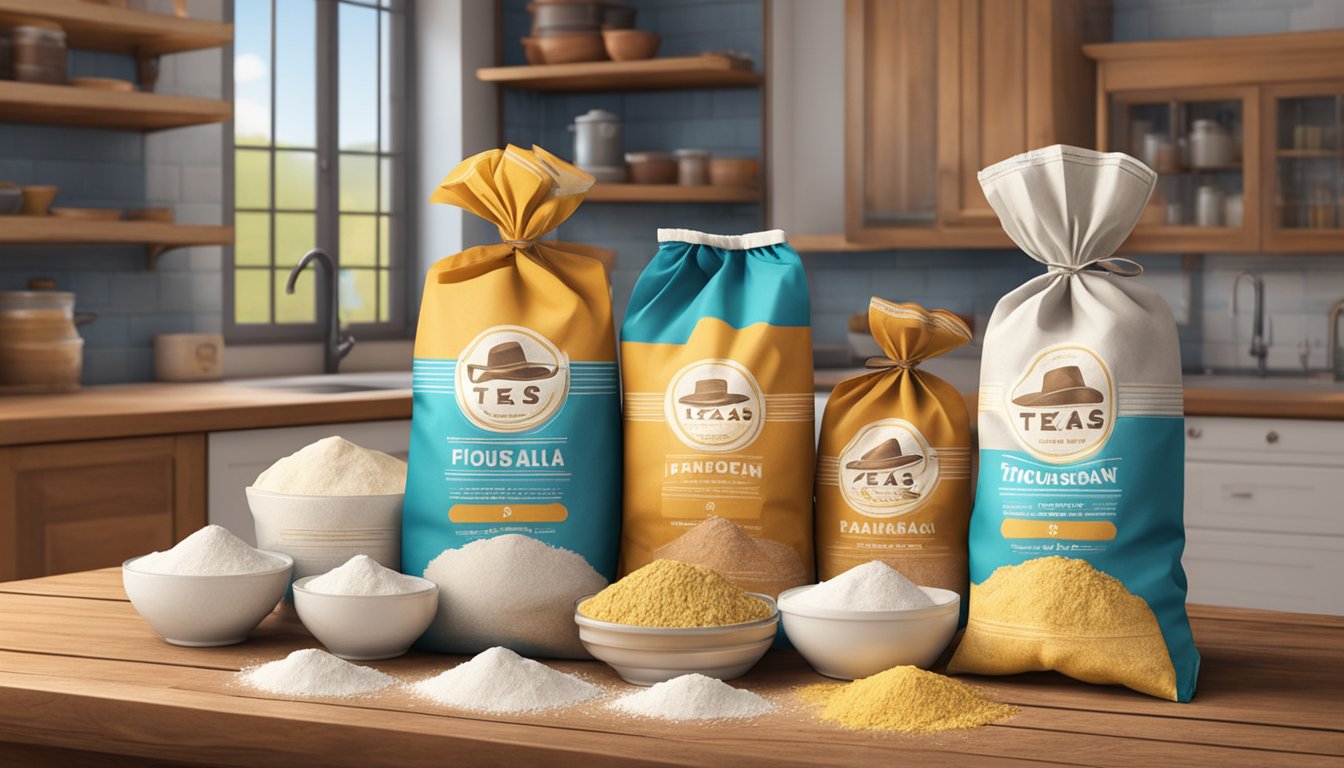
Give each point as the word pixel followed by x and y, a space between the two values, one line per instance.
pixel 161 409
pixel 81 674
pixel 128 410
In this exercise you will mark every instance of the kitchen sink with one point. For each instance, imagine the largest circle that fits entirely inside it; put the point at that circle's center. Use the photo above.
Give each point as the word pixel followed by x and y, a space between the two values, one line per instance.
pixel 333 384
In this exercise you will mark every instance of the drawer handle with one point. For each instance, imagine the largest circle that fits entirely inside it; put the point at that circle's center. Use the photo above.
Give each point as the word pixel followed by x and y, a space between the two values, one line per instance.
pixel 1194 433
pixel 1242 495
pixel 1272 437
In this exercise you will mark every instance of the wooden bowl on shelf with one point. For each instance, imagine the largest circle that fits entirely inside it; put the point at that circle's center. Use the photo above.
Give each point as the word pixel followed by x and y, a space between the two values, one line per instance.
pixel 630 44
pixel 87 214
pixel 532 51
pixel 103 84
pixel 37 199
pixel 571 49
pixel 734 171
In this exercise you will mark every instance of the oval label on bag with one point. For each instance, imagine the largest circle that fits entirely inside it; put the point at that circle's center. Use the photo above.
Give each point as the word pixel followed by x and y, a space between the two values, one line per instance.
pixel 715 405
pixel 888 469
pixel 511 379
pixel 1063 407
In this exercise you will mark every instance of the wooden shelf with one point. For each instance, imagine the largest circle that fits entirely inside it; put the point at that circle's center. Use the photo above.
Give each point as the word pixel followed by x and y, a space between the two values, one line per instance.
pixel 669 193
pixel 905 237
pixel 119 30
pixel 710 70
pixel 1292 153
pixel 94 108
pixel 156 236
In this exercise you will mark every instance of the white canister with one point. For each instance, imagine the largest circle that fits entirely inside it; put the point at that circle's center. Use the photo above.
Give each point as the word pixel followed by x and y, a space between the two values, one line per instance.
pixel 599 145
pixel 1233 211
pixel 1209 206
pixel 188 357
pixel 1211 146
pixel 692 167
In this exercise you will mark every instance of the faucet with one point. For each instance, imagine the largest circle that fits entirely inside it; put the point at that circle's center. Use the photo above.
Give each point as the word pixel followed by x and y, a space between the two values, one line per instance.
pixel 1332 343
pixel 1259 350
pixel 338 344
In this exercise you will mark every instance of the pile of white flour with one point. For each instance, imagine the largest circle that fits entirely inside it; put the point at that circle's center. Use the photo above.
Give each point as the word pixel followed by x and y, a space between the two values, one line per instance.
pixel 692 697
pixel 312 672
pixel 510 590
pixel 362 575
pixel 873 586
pixel 334 466
pixel 499 680
pixel 211 551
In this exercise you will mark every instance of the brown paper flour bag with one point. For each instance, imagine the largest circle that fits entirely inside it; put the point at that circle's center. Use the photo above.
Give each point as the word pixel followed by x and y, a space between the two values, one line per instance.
pixel 894 463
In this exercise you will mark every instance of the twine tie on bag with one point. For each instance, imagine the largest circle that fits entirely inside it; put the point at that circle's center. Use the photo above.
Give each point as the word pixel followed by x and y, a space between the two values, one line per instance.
pixel 1115 265
pixel 886 363
pixel 520 244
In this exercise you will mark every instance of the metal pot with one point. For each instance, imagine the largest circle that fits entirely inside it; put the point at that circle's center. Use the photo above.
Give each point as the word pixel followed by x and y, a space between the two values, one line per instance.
pixel 599 145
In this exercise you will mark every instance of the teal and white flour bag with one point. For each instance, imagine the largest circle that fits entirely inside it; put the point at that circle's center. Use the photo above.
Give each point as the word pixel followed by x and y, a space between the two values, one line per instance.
pixel 1077 532
pixel 513 490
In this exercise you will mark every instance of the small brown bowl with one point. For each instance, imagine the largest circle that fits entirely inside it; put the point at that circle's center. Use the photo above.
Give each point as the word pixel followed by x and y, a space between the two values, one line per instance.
pixel 571 49
pixel 630 44
pixel 733 171
pixel 88 214
pixel 37 199
pixel 651 167
pixel 532 51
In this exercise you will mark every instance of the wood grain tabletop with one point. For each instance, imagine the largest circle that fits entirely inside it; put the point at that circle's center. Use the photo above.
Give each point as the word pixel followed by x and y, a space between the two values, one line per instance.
pixel 84 681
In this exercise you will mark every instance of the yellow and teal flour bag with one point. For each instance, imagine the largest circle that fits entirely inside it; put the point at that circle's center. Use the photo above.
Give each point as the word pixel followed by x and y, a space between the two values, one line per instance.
pixel 1077 531
pixel 513 489
pixel 716 363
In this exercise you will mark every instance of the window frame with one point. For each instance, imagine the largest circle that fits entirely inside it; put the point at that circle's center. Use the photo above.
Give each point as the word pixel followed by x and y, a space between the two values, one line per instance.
pixel 401 120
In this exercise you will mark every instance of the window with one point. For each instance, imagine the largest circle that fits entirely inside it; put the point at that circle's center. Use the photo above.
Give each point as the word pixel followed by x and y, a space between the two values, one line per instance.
pixel 318 161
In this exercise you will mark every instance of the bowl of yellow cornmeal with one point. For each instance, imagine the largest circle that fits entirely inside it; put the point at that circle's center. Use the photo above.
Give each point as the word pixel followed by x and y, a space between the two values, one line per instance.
pixel 670 618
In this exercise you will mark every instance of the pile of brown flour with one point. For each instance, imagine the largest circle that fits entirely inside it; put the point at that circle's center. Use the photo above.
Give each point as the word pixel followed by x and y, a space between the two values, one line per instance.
pixel 755 565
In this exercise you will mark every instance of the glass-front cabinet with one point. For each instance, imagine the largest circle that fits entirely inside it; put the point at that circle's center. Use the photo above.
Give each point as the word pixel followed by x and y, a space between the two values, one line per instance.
pixel 1305 167
pixel 1196 140
pixel 1246 134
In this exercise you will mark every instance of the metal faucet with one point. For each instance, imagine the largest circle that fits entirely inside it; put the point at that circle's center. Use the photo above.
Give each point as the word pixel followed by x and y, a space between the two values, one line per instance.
pixel 1259 350
pixel 1332 343
pixel 338 344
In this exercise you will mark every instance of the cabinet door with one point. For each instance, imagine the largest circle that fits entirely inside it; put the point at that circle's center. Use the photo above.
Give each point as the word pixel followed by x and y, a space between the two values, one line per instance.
pixel 1304 167
pixel 76 506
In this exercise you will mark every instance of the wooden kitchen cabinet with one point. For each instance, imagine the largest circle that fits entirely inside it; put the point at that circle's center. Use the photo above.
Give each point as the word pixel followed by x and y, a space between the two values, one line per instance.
pixel 935 90
pixel 91 504
pixel 1275 101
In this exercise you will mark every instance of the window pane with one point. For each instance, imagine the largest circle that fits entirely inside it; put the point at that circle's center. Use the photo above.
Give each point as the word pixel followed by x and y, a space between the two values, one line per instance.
pixel 301 307
pixel 296 180
pixel 296 74
pixel 386 178
pixel 385 291
pixel 358 185
pixel 252 72
pixel 385 85
pixel 358 240
pixel 251 296
pixel 358 293
pixel 252 239
pixel 295 235
pixel 358 125
pixel 251 178
pixel 384 241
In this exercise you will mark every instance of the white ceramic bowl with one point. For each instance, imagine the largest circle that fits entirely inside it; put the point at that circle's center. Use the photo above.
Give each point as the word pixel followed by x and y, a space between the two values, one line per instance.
pixel 202 611
pixel 853 644
pixel 322 532
pixel 366 627
pixel 649 655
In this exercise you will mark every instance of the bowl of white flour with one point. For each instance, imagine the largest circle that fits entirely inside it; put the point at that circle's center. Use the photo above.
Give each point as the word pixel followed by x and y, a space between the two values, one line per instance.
pixel 328 502
pixel 211 589
pixel 362 611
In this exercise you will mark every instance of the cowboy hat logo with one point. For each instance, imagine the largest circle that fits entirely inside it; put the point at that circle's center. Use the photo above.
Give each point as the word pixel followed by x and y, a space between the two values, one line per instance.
pixel 507 361
pixel 714 405
pixel 889 469
pixel 1061 386
pixel 1063 407
pixel 712 393
pixel 510 379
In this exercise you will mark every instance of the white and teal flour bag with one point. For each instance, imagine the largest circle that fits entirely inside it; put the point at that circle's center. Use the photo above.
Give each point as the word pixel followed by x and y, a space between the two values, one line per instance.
pixel 1077 532
pixel 513 491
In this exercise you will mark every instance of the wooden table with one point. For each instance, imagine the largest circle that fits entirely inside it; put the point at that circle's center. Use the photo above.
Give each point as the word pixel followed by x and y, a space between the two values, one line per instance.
pixel 83 681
